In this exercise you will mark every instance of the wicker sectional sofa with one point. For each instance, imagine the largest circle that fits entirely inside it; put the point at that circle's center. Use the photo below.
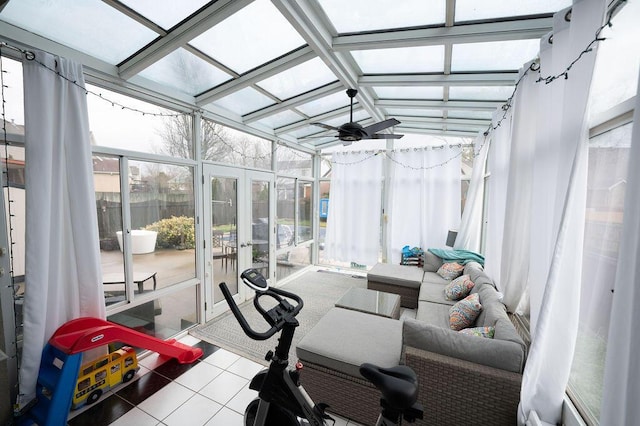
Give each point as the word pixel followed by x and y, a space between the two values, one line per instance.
pixel 463 379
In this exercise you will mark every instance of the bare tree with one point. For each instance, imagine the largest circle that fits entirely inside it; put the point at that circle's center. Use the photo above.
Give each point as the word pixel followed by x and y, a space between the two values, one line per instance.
pixel 177 139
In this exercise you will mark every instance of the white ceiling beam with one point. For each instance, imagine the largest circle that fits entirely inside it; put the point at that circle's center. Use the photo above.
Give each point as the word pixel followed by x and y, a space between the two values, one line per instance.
pixel 460 79
pixel 312 95
pixel 180 35
pixel 283 63
pixel 439 105
pixel 307 18
pixel 522 29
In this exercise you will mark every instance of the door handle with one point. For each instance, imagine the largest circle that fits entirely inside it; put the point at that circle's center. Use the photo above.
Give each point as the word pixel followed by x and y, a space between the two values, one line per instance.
pixel 246 244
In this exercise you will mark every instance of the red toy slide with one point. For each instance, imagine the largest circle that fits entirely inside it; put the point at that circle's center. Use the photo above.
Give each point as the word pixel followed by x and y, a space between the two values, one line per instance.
pixel 86 333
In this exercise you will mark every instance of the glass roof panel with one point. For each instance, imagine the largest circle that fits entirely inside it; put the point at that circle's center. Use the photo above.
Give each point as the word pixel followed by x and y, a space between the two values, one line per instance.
pixel 338 121
pixel 280 119
pixel 481 115
pixel 414 112
pixel 489 93
pixel 473 10
pixel 165 13
pixel 401 59
pixel 242 33
pixel 299 79
pixel 407 92
pixel 244 101
pixel 366 15
pixel 185 72
pixel 328 103
pixel 87 26
pixel 484 57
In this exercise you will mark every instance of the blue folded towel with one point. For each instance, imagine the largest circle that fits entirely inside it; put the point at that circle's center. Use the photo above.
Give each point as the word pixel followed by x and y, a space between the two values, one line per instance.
pixel 458 255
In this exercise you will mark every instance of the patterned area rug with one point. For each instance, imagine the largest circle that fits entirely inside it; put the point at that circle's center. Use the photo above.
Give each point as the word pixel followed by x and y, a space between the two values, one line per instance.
pixel 319 290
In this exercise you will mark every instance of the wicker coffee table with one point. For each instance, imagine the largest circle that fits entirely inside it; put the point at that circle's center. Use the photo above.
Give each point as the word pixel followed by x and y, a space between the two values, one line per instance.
pixel 371 302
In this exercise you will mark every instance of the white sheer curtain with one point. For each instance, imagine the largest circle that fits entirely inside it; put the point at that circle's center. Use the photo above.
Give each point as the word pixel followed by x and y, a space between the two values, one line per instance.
pixel 424 197
pixel 498 167
pixel 514 265
pixel 353 220
pixel 554 332
pixel 470 230
pixel 63 272
pixel 621 391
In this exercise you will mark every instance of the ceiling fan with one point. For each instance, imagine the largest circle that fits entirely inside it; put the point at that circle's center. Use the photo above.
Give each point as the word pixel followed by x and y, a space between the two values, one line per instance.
pixel 352 132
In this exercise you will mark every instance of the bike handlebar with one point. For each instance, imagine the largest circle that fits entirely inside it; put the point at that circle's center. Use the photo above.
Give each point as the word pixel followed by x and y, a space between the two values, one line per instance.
pixel 273 292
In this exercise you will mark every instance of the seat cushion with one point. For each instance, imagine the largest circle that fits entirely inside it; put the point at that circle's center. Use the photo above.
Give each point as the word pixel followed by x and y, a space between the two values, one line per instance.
pixel 402 275
pixel 435 314
pixel 343 339
pixel 434 278
pixel 434 293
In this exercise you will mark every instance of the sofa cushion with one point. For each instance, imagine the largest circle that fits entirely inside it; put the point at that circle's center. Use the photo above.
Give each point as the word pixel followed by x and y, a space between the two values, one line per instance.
pixel 343 339
pixel 450 270
pixel 465 312
pixel 431 262
pixel 435 314
pixel 434 278
pixel 493 308
pixel 402 275
pixel 502 354
pixel 434 293
pixel 458 288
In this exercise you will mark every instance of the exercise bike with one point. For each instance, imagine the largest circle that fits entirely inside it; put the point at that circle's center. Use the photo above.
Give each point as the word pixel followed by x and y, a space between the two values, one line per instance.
pixel 282 401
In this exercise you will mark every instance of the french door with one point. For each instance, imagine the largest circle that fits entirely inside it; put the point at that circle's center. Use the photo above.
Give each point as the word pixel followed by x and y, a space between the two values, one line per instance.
pixel 239 231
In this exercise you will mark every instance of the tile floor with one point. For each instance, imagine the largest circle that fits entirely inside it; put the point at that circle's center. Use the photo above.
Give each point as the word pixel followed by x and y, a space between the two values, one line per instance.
pixel 212 391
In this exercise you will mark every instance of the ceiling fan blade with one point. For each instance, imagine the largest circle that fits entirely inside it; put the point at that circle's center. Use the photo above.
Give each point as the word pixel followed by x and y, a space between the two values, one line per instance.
pixel 376 127
pixel 384 136
pixel 326 126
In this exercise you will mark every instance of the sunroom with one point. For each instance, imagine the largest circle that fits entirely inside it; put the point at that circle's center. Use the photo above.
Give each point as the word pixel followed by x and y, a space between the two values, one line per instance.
pixel 152 150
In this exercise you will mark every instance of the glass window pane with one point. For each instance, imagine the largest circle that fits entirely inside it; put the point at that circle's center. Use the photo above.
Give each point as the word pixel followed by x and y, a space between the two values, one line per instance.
pixel 299 79
pixel 162 224
pixel 606 186
pixel 414 112
pixel 244 101
pixel 489 93
pixel 281 119
pixel 163 317
pixel 304 228
pixel 241 33
pixel 87 26
pixel 365 15
pixel 400 59
pixel 293 260
pixel 165 13
pixel 106 180
pixel 286 211
pixel 293 162
pixel 613 83
pixel 185 72
pixel 229 146
pixel 472 10
pixel 483 57
pixel 260 199
pixel 168 135
pixel 486 115
pixel 328 103
pixel 385 92
pixel 13 95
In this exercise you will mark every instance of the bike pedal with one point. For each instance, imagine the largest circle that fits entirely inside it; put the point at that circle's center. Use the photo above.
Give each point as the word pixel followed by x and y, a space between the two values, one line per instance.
pixel 320 408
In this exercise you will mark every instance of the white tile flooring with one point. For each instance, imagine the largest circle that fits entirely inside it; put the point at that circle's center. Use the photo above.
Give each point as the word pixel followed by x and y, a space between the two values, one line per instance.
pixel 215 392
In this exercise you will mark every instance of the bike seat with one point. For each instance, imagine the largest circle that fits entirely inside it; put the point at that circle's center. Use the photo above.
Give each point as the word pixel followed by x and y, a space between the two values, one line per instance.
pixel 399 385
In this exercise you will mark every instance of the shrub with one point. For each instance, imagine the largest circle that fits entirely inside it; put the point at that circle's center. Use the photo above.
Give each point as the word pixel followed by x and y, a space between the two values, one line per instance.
pixel 175 232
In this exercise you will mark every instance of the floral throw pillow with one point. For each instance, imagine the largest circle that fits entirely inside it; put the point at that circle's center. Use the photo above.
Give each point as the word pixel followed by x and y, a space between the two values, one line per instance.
pixel 458 288
pixel 451 270
pixel 487 331
pixel 465 312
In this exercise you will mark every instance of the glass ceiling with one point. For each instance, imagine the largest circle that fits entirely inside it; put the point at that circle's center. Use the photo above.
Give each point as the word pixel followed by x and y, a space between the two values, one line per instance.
pixel 276 66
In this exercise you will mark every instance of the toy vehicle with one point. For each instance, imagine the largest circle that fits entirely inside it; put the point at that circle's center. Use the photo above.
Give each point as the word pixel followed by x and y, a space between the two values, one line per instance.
pixel 100 375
